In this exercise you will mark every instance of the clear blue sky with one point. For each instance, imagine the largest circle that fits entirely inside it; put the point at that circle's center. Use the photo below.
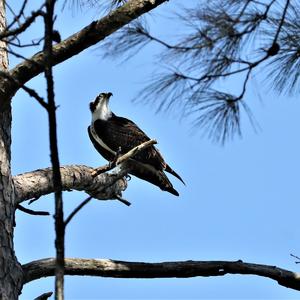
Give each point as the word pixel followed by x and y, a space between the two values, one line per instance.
pixel 241 201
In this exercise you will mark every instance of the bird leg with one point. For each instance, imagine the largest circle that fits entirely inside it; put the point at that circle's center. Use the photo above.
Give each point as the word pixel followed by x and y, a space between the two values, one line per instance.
pixel 111 164
pixel 122 158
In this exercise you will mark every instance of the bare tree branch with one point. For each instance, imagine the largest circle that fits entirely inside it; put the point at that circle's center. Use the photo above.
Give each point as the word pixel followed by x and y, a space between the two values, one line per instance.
pixel 16 16
pixel 297 257
pixel 85 202
pixel 32 212
pixel 88 36
pixel 44 296
pixel 22 27
pixel 75 177
pixel 180 269
pixel 77 209
pixel 31 92
pixel 223 39
pixel 124 157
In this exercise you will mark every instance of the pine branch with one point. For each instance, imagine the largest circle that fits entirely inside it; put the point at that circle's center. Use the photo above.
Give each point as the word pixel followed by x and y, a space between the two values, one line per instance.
pixel 83 39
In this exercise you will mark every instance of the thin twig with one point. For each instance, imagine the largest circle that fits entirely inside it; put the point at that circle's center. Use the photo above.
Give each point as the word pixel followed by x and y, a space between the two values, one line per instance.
pixel 17 17
pixel 124 157
pixel 124 201
pixel 22 27
pixel 135 151
pixel 77 209
pixel 297 257
pixel 32 212
pixel 44 296
pixel 20 45
pixel 86 201
pixel 31 92
pixel 10 51
pixel 33 200
pixel 281 21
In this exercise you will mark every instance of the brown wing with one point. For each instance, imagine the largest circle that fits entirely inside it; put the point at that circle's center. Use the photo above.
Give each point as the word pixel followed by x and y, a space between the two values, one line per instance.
pixel 121 132
pixel 149 173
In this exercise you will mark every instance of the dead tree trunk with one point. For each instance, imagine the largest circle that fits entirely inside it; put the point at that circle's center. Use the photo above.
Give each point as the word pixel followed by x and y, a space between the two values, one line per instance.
pixel 10 270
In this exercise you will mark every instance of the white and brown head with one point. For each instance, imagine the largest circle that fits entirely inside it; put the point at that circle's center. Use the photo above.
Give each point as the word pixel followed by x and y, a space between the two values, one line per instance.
pixel 99 107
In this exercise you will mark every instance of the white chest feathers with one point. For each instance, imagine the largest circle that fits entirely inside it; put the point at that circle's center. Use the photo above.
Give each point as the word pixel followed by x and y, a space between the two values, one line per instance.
pixel 102 112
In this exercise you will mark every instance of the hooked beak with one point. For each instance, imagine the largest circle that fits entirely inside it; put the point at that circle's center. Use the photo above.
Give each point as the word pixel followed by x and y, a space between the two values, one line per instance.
pixel 94 104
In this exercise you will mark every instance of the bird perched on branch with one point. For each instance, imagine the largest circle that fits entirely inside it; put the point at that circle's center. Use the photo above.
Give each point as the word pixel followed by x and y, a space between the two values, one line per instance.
pixel 112 135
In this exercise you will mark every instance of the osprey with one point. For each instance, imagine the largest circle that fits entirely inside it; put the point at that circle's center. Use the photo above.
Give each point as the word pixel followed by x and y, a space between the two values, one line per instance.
pixel 111 134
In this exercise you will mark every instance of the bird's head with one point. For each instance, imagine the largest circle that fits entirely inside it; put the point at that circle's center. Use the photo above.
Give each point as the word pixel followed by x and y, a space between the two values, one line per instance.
pixel 99 107
pixel 100 102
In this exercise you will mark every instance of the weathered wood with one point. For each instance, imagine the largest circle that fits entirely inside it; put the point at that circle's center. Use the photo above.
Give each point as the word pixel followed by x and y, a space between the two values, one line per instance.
pixel 178 269
pixel 35 184
pixel 10 270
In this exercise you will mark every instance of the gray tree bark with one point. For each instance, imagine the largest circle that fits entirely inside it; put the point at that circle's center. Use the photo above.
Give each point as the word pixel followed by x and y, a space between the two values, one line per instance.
pixel 11 274
pixel 175 269
pixel 38 183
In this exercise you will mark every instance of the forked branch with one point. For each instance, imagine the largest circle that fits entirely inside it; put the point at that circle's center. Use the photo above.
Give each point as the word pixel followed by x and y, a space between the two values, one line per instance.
pixel 124 157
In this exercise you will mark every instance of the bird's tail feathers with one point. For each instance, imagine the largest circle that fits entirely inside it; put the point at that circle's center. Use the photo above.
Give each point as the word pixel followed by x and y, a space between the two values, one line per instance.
pixel 171 190
pixel 150 174
pixel 171 171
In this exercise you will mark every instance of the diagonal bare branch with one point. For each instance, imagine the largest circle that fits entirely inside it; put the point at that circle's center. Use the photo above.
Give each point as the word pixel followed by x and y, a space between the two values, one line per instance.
pixel 32 212
pixel 22 27
pixel 77 209
pixel 124 157
pixel 44 296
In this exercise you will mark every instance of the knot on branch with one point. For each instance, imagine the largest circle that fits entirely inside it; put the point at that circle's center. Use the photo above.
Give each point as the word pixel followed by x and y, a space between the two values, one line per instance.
pixel 33 185
pixel 106 186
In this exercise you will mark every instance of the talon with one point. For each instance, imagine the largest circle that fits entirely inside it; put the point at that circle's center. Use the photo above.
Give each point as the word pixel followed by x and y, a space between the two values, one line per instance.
pixel 119 151
pixel 128 177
